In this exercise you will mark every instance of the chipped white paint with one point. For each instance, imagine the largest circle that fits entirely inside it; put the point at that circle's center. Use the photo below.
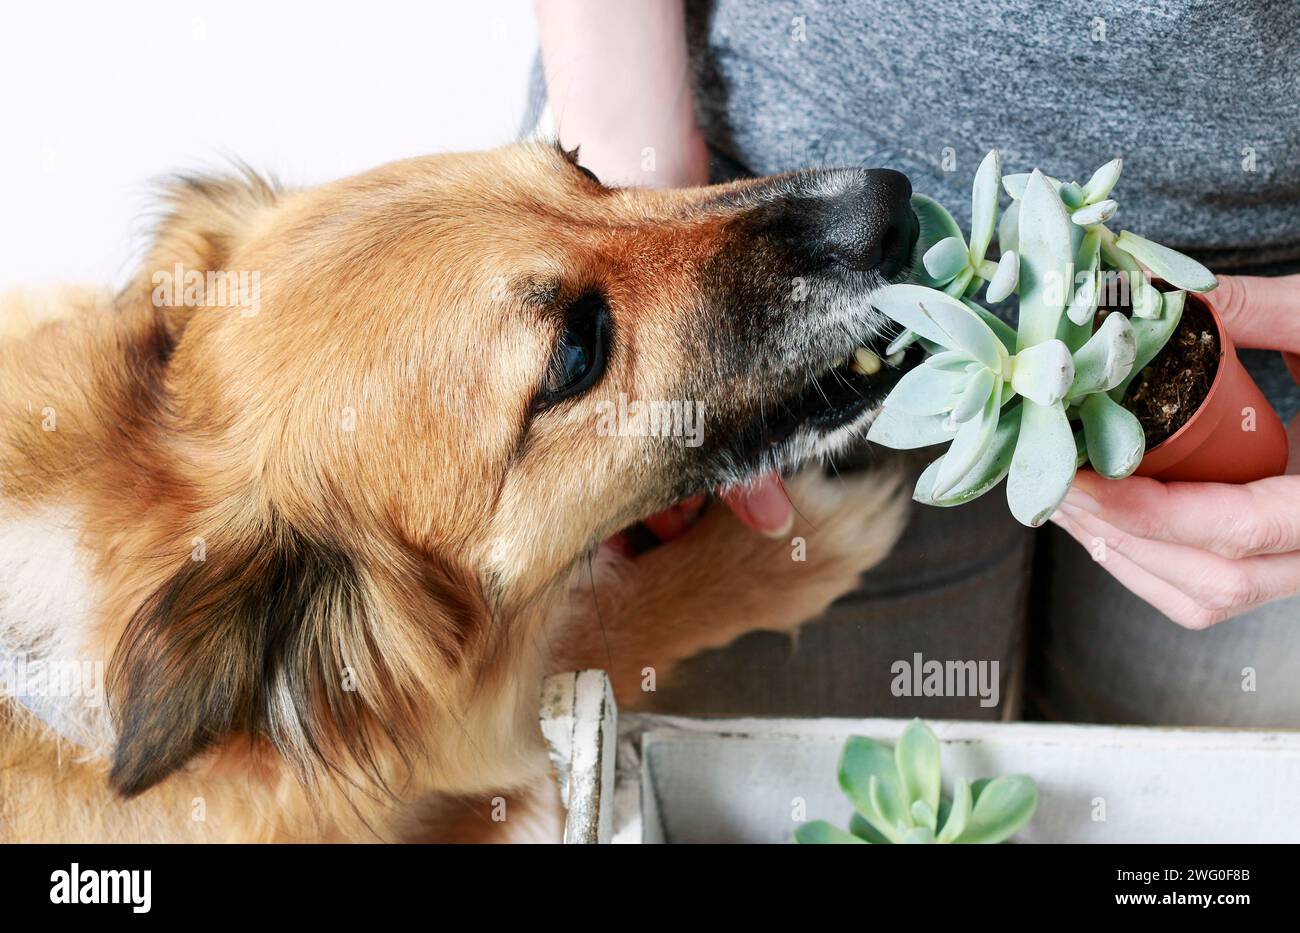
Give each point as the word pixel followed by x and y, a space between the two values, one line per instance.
pixel 580 725
pixel 741 780
pixel 737 780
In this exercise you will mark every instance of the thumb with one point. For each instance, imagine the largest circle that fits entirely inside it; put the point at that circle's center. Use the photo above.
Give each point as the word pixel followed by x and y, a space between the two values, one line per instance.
pixel 1260 312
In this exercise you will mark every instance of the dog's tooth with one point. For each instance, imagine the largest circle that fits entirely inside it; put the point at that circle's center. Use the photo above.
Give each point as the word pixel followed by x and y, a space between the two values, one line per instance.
pixel 896 357
pixel 865 362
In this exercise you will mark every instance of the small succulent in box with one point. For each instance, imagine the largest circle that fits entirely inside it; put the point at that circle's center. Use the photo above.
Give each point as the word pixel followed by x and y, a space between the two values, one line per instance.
pixel 1029 404
pixel 898 797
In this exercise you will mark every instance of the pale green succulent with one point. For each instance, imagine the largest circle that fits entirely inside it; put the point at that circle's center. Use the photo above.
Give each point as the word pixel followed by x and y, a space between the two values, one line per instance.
pixel 898 797
pixel 1008 400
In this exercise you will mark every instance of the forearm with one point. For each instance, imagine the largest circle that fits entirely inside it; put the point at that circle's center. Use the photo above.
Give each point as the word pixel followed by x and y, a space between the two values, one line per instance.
pixel 619 87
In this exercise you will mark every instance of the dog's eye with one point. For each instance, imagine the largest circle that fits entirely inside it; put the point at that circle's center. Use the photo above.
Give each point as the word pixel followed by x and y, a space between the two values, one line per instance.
pixel 579 356
pixel 588 172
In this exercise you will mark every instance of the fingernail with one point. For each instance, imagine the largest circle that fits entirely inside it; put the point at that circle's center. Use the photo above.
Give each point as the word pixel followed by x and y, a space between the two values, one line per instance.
pixel 1077 499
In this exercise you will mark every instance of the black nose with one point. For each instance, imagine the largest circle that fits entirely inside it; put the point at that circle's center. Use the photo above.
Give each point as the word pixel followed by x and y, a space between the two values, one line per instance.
pixel 869 223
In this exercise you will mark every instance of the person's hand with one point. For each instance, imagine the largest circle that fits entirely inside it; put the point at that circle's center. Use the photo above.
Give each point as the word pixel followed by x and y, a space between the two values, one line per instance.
pixel 1205 552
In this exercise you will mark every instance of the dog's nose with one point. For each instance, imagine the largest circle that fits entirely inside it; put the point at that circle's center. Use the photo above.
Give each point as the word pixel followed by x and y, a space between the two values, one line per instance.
pixel 869 223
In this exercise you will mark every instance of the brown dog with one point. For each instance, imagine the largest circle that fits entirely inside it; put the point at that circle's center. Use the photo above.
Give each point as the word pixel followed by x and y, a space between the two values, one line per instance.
pixel 310 531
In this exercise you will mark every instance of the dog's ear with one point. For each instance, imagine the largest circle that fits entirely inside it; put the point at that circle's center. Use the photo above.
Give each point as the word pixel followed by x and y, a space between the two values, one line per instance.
pixel 204 219
pixel 247 640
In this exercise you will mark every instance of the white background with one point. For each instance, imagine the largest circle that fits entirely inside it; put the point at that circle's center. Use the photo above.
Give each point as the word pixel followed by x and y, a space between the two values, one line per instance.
pixel 98 100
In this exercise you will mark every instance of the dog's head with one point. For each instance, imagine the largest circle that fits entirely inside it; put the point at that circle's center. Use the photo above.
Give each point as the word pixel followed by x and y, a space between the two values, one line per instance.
pixel 438 385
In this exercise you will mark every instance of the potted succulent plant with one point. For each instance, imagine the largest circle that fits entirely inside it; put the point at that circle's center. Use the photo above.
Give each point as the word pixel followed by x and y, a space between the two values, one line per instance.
pixel 898 797
pixel 1116 361
pixel 657 778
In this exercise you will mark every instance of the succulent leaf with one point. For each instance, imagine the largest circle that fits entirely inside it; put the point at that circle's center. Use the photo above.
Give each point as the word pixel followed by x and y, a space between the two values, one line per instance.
pixel 1150 336
pixel 891 805
pixel 1147 301
pixel 1015 185
pixel 1178 270
pixel 1106 359
pixel 1003 805
pixel 1009 228
pixel 924 817
pixel 945 260
pixel 971 443
pixel 919 835
pixel 942 319
pixel 958 812
pixel 1043 465
pixel 984 205
pixel 929 390
pixel 1114 436
pixel 1001 329
pixel 1097 213
pixel 1005 278
pixel 1045 259
pixel 953 360
pixel 987 472
pixel 901 431
pixel 1083 306
pixel 1043 373
pixel 958 286
pixel 869 778
pixel 901 342
pixel 1102 181
pixel 819 832
pixel 980 385
pixel 859 826
pixel 916 755
pixel 1071 194
pixel 935 224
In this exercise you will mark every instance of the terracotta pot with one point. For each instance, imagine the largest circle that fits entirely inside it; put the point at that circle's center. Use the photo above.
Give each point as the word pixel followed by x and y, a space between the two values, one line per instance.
pixel 1214 445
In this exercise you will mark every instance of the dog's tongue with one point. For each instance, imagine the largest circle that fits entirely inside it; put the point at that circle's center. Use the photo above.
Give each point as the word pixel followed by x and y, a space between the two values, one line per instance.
pixel 764 506
pixel 657 529
pixel 674 522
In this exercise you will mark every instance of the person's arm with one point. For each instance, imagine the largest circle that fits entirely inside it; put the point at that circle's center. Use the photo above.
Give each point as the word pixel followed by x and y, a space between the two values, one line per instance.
pixel 618 84
pixel 1204 552
pixel 619 87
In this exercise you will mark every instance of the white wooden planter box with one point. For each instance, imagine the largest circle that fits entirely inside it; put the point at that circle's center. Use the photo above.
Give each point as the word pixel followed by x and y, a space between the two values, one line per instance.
pixel 679 779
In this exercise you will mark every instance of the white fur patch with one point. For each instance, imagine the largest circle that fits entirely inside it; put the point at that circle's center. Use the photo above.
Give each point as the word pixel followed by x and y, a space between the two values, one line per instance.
pixel 47 597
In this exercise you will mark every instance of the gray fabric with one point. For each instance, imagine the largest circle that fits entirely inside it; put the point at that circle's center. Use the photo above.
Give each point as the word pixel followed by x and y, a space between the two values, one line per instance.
pixel 954 589
pixel 1099 655
pixel 1180 88
pixel 1185 90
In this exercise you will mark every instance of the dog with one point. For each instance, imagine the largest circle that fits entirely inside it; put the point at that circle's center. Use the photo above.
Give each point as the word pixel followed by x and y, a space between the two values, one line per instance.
pixel 310 550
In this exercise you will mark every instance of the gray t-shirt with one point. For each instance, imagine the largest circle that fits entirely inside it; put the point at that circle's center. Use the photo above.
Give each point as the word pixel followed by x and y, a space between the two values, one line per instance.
pixel 1201 97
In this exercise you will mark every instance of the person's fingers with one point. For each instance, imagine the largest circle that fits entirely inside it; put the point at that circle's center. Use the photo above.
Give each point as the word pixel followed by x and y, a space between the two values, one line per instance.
pixel 1261 312
pixel 1176 605
pixel 1220 586
pixel 763 505
pixel 1233 521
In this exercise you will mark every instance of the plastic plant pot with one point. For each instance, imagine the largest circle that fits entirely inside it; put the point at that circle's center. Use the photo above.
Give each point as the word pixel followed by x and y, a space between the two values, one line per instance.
pixel 1233 437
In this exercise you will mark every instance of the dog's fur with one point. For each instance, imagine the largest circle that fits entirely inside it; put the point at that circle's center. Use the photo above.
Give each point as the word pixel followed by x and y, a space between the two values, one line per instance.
pixel 319 630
